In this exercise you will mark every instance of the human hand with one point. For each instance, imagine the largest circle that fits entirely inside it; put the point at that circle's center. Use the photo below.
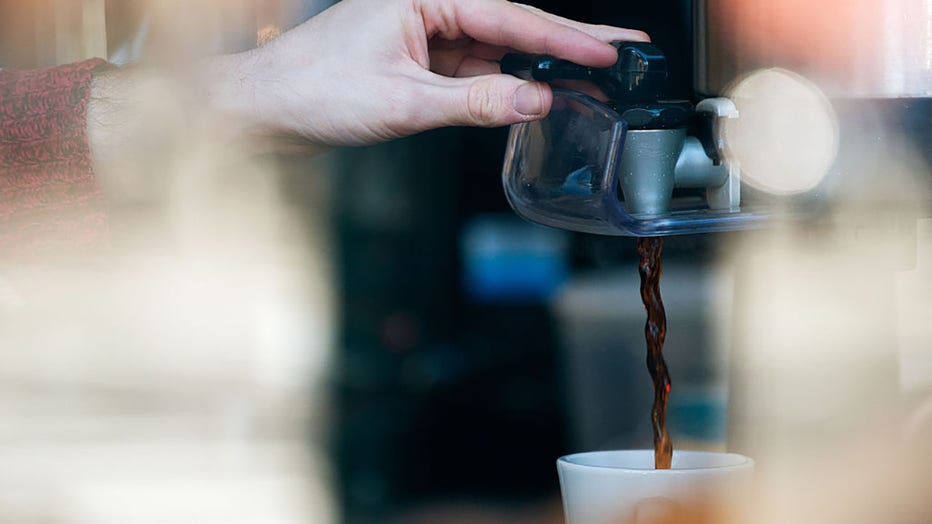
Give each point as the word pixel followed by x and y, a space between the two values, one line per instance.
pixel 366 71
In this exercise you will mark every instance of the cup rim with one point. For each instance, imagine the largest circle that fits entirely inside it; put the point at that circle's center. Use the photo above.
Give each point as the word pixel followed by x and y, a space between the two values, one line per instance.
pixel 734 461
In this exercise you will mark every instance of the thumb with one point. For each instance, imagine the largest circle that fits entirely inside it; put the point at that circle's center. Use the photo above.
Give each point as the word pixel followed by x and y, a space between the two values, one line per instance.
pixel 492 101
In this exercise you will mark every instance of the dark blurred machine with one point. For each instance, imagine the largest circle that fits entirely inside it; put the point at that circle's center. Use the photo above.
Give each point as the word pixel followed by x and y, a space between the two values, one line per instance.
pixel 442 369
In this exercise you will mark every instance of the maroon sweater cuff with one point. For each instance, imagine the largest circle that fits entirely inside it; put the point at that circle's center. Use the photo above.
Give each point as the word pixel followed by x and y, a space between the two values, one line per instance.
pixel 50 202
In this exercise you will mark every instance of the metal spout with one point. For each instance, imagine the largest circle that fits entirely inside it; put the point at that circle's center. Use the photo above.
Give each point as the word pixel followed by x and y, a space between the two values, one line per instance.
pixel 656 161
pixel 647 170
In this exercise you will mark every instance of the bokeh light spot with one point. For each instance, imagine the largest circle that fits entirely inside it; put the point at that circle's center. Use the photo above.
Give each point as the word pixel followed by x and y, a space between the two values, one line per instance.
pixel 786 137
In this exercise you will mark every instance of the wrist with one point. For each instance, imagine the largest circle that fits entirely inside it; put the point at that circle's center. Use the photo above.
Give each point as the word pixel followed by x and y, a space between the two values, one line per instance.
pixel 232 87
pixel 226 87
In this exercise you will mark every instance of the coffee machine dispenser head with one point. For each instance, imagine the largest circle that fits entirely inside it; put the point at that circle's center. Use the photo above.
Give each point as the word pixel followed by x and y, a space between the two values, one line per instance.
pixel 612 167
pixel 639 74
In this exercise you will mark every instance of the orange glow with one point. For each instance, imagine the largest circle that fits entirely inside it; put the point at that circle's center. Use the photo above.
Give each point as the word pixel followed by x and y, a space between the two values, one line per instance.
pixel 799 33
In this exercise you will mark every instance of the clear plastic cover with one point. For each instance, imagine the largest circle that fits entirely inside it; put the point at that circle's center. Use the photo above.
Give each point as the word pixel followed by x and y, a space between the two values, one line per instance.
pixel 562 171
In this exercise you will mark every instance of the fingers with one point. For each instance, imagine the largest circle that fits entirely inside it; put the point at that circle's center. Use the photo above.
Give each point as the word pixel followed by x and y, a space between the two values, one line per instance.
pixel 505 24
pixel 489 100
pixel 606 33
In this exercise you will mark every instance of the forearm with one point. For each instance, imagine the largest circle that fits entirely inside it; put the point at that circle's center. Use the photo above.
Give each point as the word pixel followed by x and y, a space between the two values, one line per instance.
pixel 143 122
pixel 121 144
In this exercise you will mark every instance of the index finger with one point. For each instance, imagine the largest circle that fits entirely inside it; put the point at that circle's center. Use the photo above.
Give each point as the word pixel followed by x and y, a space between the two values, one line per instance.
pixel 605 33
pixel 505 24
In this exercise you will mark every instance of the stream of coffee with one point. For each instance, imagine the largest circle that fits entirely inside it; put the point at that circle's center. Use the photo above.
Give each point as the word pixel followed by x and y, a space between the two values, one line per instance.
pixel 650 267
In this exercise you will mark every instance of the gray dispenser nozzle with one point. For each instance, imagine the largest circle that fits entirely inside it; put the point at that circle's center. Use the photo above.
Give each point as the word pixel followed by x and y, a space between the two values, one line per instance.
pixel 655 161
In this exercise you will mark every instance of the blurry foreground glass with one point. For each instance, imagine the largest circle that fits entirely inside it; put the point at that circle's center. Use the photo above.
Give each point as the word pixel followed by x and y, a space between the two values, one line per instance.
pixel 622 487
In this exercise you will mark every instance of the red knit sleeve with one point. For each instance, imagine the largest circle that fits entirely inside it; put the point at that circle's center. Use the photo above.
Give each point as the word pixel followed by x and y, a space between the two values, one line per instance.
pixel 50 202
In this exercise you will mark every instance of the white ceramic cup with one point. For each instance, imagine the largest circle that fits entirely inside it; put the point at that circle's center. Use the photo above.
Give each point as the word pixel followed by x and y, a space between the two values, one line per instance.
pixel 622 487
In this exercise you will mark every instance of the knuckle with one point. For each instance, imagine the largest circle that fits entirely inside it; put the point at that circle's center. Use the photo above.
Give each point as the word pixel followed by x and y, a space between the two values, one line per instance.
pixel 482 105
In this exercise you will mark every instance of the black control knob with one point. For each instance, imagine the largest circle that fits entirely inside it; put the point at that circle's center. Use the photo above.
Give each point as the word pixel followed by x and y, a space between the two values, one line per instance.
pixel 638 75
pixel 634 84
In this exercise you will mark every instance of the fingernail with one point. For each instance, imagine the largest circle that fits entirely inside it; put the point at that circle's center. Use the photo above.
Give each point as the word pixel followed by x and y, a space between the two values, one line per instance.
pixel 529 100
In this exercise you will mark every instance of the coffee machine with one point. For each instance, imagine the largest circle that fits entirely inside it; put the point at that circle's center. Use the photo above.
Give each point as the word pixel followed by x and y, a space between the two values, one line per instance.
pixel 611 167
pixel 629 162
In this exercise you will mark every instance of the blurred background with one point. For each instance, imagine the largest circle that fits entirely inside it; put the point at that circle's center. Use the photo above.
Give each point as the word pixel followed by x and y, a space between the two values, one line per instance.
pixel 372 335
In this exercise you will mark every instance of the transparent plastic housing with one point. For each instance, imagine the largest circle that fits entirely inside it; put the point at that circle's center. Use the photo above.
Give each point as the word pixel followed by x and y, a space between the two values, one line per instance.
pixel 562 171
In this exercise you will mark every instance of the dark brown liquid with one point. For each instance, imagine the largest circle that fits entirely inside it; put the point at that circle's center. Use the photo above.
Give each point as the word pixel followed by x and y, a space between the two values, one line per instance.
pixel 650 268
